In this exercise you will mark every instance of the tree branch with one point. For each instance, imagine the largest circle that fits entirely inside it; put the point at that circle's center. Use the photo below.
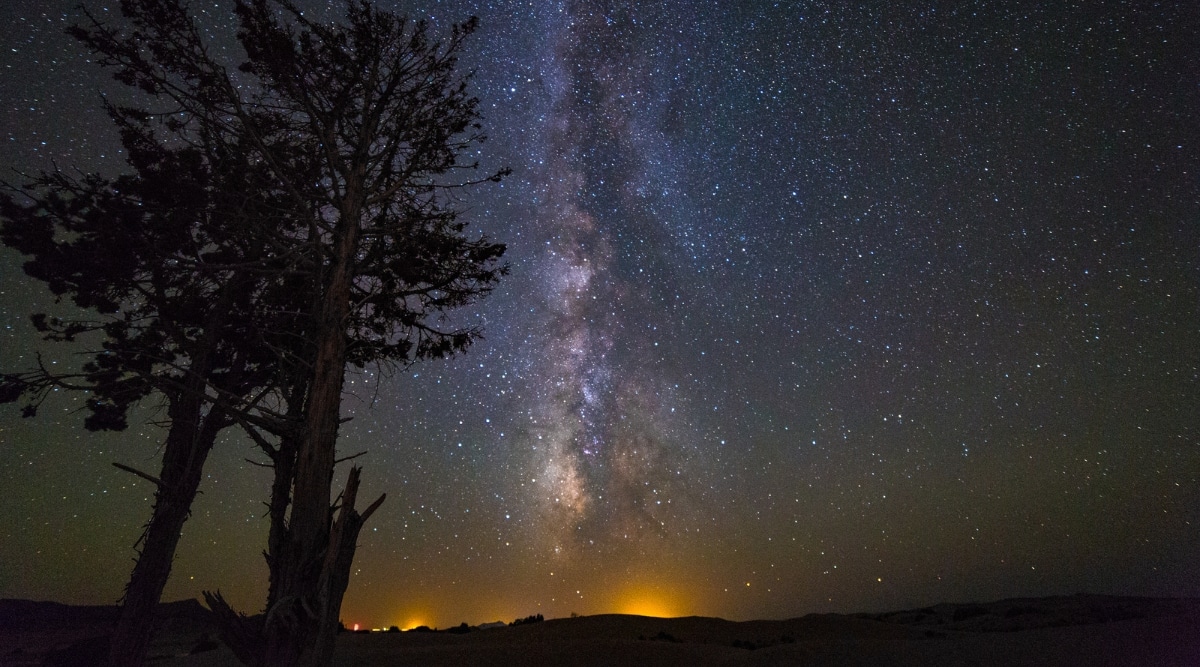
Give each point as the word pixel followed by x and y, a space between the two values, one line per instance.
pixel 348 458
pixel 146 476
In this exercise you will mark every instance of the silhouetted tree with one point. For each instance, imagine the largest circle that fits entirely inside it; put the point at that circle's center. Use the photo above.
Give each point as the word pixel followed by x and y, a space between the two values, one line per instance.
pixel 162 261
pixel 326 168
pixel 387 118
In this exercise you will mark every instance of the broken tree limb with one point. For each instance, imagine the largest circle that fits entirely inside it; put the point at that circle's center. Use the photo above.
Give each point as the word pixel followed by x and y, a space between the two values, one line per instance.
pixel 335 571
pixel 241 633
pixel 348 458
pixel 144 475
pixel 373 506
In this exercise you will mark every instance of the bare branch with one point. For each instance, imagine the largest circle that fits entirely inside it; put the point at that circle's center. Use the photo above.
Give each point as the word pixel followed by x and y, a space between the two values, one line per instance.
pixel 372 507
pixel 348 458
pixel 146 476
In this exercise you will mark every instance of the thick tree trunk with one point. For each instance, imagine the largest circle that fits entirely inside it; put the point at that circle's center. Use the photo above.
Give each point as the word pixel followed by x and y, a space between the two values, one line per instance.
pixel 309 573
pixel 189 442
pixel 335 573
pixel 245 634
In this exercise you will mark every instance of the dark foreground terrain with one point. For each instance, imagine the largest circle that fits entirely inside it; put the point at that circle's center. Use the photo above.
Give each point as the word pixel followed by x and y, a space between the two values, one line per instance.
pixel 1085 630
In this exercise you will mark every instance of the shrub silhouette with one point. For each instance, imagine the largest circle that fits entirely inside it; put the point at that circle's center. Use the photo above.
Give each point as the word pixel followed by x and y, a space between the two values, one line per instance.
pixel 663 636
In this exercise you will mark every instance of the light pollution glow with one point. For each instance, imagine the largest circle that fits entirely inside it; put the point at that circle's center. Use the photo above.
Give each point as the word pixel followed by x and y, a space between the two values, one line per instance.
pixel 649 602
pixel 644 600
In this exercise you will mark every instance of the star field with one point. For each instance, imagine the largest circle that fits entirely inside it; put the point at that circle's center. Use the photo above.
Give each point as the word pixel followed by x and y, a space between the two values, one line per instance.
pixel 812 308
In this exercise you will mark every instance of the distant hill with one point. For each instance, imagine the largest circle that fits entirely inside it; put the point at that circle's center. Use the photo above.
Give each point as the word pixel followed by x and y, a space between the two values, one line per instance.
pixel 24 614
pixel 52 633
pixel 1079 630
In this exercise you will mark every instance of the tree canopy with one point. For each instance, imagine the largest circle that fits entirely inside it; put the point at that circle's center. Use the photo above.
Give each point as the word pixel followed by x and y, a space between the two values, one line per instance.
pixel 282 219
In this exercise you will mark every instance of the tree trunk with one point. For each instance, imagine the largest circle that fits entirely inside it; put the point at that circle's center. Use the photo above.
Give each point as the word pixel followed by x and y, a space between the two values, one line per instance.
pixel 245 634
pixel 335 574
pixel 284 464
pixel 189 442
pixel 305 574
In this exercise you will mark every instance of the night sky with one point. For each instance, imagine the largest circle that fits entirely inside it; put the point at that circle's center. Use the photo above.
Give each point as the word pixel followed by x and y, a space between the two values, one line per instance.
pixel 813 307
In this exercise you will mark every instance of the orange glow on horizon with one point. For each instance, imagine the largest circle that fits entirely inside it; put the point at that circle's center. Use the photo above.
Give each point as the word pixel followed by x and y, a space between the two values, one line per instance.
pixel 413 622
pixel 647 602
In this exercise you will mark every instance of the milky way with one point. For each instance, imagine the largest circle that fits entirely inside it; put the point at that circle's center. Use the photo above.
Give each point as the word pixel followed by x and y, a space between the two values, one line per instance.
pixel 604 435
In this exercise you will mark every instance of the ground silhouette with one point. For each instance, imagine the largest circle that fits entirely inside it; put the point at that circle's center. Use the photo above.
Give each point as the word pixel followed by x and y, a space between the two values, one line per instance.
pixel 1084 630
